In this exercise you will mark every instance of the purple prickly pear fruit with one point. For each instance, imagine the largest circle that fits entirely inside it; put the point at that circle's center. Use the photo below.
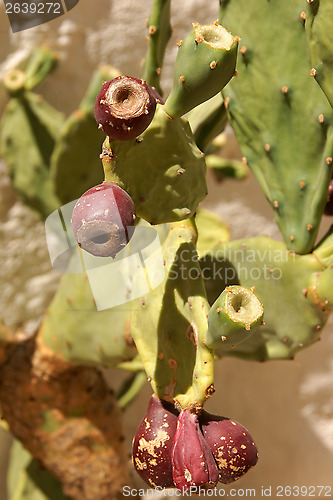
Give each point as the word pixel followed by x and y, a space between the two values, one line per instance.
pixel 124 107
pixel 329 204
pixel 192 460
pixel 152 443
pixel 231 444
pixel 101 218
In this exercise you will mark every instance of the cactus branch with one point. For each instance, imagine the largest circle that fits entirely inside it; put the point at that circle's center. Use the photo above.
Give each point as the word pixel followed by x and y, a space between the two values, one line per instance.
pixel 233 317
pixel 205 63
pixel 159 32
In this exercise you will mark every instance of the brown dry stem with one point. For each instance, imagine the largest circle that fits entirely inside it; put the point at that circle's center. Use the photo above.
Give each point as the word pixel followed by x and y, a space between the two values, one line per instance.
pixel 68 419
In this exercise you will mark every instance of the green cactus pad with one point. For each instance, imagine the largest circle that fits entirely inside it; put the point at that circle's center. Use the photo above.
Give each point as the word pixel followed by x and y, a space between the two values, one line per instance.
pixel 77 332
pixel 226 167
pixel 159 32
pixel 281 117
pixel 283 282
pixel 169 323
pixel 211 230
pixel 319 28
pixel 39 65
pixel 233 318
pixel 208 120
pixel 27 480
pixel 205 63
pixel 29 129
pixel 75 163
pixel 162 170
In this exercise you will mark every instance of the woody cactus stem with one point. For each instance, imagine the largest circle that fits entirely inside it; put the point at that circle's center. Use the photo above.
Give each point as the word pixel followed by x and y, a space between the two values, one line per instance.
pixel 205 63
pixel 159 32
pixel 233 317
pixel 68 419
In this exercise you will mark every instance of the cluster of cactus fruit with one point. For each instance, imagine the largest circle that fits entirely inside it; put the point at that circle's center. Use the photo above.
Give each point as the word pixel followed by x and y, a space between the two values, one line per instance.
pixel 203 301
pixel 188 450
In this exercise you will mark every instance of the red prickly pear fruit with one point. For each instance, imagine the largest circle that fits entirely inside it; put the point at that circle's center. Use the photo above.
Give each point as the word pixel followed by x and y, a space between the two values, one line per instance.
pixel 124 107
pixel 231 444
pixel 192 460
pixel 152 443
pixel 329 204
pixel 101 219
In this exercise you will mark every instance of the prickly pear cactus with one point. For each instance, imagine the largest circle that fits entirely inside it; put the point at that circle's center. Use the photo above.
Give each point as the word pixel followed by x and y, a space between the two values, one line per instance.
pixel 284 282
pixel 205 62
pixel 169 323
pixel 77 332
pixel 281 118
pixel 164 187
pixel 29 129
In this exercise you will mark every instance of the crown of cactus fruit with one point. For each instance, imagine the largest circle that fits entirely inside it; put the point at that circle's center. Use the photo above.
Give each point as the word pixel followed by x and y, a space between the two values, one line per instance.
pixel 205 63
pixel 102 218
pixel 124 107
pixel 233 317
pixel 232 446
pixel 282 119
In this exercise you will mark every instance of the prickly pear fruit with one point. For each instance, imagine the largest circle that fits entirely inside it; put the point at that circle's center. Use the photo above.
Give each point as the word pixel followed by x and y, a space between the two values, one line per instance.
pixel 233 317
pixel 232 446
pixel 124 107
pixel 75 163
pixel 101 218
pixel 152 444
pixel 329 204
pixel 205 63
pixel 193 464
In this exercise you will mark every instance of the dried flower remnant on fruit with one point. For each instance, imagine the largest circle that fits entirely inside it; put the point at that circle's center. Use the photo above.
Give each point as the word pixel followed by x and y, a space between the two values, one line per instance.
pixel 101 220
pixel 125 106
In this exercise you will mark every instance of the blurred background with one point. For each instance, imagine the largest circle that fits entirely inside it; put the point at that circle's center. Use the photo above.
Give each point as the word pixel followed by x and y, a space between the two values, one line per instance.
pixel 286 405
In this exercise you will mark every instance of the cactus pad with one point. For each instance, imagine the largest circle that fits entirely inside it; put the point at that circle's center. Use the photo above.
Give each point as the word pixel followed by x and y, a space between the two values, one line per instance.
pixel 283 282
pixel 163 170
pixel 280 116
